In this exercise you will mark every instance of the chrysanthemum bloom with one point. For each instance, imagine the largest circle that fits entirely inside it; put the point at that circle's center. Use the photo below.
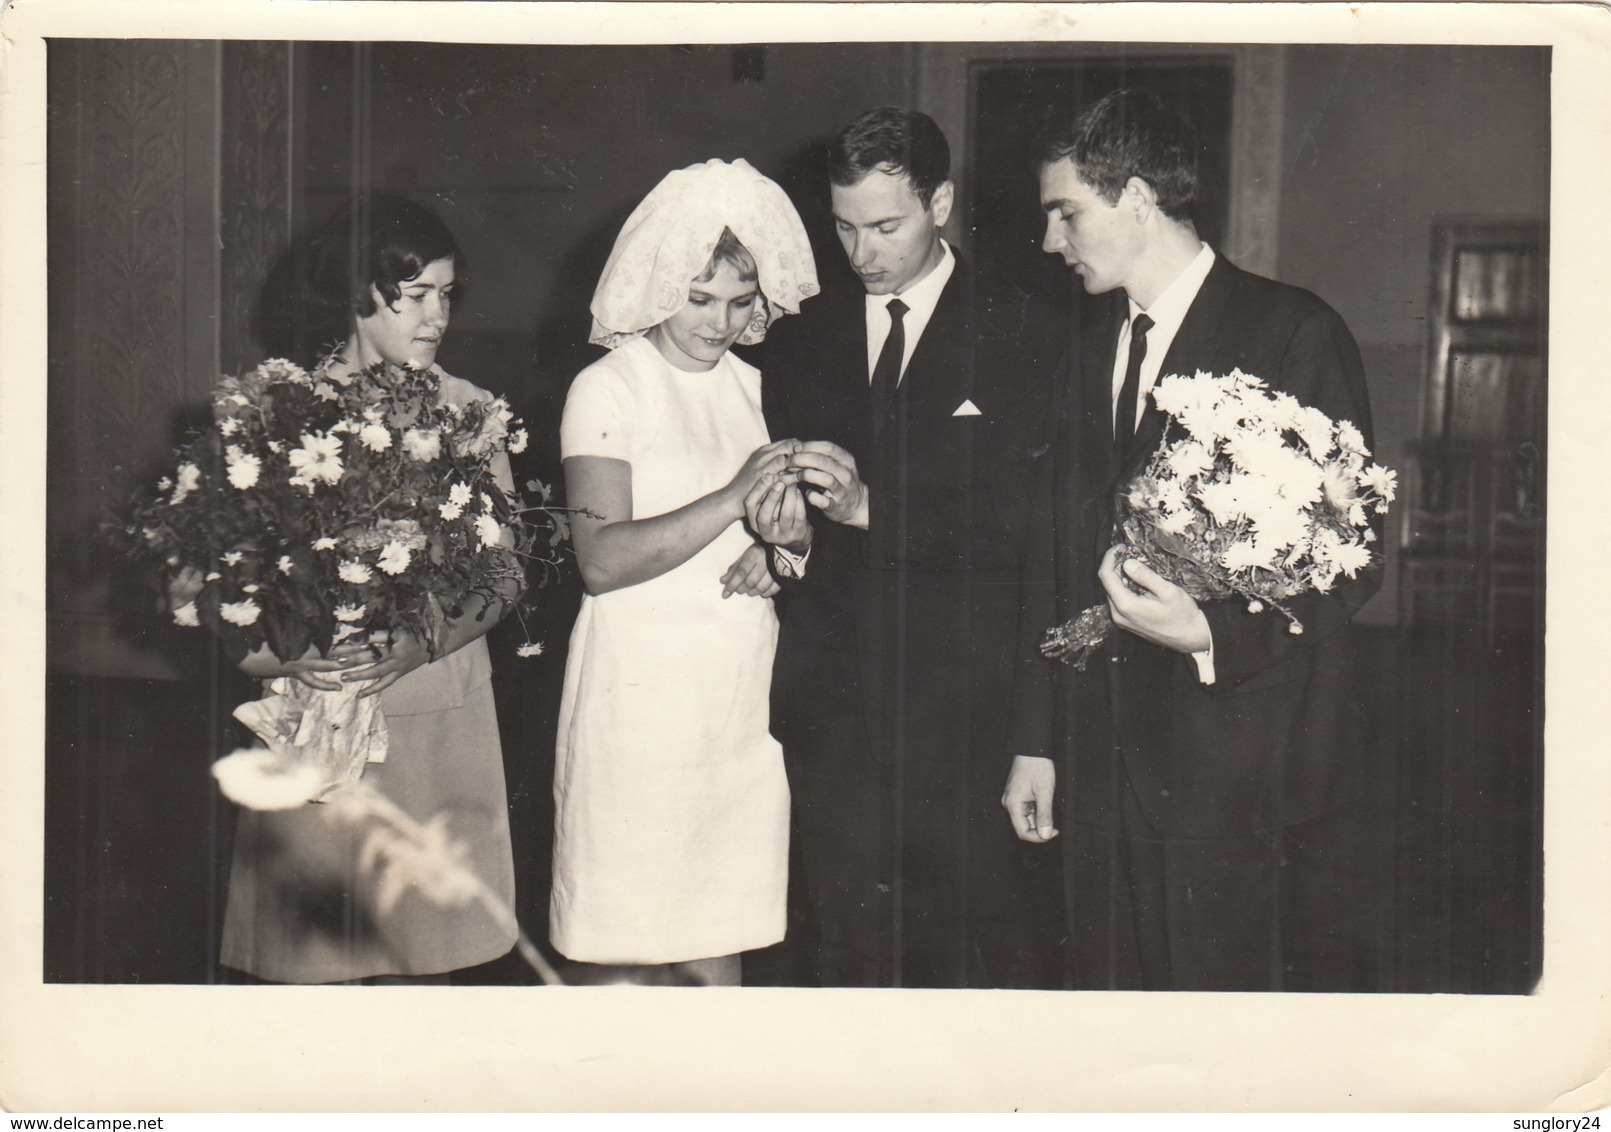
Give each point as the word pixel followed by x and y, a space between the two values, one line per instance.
pixel 394 558
pixel 239 612
pixel 375 437
pixel 325 543
pixel 487 527
pixel 317 461
pixel 422 445
pixel 355 573
pixel 518 441
pixel 242 467
pixel 348 612
pixel 1350 439
pixel 279 369
pixel 449 510
pixel 460 493
pixel 530 648
pixel 1383 482
pixel 284 564
pixel 186 615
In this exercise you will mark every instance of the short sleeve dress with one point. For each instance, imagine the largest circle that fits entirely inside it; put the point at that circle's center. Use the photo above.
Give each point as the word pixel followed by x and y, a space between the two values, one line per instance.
pixel 672 824
pixel 300 908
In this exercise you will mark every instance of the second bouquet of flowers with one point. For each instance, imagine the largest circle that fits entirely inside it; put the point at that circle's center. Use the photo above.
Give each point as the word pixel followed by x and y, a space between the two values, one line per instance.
pixel 312 511
pixel 1259 497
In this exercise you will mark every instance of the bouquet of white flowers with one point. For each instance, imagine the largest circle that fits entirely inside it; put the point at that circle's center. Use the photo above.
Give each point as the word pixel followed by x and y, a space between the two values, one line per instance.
pixel 1262 498
pixel 312 511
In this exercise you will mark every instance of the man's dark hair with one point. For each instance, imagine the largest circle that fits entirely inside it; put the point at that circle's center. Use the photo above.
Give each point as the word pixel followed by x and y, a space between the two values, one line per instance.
pixel 1131 133
pixel 893 140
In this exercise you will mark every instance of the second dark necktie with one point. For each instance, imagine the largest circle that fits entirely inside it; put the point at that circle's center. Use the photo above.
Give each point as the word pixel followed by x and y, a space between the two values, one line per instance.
pixel 1124 422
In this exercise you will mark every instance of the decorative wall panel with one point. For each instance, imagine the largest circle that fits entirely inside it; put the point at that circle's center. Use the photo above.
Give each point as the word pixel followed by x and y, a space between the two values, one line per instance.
pixel 254 189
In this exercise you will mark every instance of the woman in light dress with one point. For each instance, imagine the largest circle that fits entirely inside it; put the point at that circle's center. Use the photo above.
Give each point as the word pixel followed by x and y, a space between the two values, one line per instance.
pixel 301 907
pixel 671 835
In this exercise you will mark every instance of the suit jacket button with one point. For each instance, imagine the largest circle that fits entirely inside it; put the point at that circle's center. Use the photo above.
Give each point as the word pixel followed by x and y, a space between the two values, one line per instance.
pixel 1164 793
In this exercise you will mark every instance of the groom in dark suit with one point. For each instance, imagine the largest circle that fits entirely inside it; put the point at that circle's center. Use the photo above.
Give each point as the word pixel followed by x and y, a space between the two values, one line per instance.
pixel 1205 764
pixel 922 396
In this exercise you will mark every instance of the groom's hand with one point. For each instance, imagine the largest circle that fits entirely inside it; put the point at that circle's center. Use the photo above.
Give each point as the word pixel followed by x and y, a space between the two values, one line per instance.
pixel 1161 612
pixel 828 475
pixel 1028 797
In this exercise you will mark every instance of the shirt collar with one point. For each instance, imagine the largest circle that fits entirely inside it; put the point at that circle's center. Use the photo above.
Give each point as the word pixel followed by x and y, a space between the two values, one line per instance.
pixel 1169 309
pixel 923 296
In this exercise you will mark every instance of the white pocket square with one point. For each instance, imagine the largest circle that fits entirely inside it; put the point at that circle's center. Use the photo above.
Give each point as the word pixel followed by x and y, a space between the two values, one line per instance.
pixel 967 409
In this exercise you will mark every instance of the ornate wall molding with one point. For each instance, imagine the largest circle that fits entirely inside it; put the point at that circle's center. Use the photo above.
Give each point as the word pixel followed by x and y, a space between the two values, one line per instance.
pixel 254 188
pixel 133 293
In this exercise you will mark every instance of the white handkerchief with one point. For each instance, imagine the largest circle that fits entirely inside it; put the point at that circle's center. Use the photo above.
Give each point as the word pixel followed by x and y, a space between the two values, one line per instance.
pixel 967 409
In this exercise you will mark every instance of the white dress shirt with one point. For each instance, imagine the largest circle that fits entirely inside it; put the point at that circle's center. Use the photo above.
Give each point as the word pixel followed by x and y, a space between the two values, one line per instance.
pixel 920 298
pixel 1167 312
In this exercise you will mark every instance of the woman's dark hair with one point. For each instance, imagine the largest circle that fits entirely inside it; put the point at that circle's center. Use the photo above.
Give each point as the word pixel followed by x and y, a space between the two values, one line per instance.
pixel 375 240
pixel 893 140
pixel 1131 133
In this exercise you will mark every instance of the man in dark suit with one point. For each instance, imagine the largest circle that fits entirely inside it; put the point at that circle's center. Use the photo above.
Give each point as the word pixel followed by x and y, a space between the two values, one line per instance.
pixel 1218 838
pixel 922 419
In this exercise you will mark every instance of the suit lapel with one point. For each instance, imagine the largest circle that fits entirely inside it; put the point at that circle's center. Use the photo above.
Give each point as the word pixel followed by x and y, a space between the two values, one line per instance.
pixel 1192 344
pixel 935 382
pixel 846 393
pixel 1096 364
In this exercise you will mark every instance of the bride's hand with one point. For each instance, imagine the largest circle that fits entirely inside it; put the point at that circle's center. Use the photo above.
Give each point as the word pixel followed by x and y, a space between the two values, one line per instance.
pixel 764 465
pixel 776 512
pixel 749 575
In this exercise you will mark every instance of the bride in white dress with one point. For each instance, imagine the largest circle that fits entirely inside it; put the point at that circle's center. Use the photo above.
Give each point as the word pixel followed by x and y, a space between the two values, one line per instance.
pixel 672 826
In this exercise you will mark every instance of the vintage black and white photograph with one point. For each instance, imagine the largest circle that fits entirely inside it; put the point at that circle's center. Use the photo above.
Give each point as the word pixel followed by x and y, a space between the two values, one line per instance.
pixel 586 518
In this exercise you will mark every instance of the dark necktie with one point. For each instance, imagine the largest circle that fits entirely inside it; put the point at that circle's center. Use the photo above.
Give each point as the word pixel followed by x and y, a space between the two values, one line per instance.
pixel 887 371
pixel 1124 422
